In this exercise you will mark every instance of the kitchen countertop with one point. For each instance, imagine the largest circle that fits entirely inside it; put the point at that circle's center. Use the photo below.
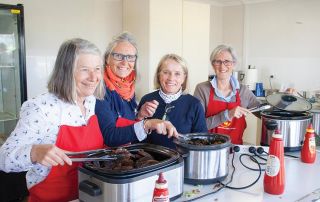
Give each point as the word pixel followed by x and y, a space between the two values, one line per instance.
pixel 302 183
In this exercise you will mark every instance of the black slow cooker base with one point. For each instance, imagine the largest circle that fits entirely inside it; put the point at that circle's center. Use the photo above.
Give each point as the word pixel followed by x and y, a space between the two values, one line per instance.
pixel 204 181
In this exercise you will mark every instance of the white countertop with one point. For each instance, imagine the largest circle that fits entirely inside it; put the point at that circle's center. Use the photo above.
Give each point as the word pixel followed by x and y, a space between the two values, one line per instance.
pixel 301 179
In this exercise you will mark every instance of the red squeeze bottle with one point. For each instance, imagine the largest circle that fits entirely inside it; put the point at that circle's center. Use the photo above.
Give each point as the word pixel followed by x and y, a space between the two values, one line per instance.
pixel 161 193
pixel 274 177
pixel 308 151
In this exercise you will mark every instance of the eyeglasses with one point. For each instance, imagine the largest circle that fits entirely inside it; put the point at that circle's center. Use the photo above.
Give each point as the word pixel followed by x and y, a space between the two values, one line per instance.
pixel 225 62
pixel 167 109
pixel 121 57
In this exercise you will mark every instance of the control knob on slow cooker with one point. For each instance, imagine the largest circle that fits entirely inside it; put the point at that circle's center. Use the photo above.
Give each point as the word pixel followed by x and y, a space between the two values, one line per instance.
pixel 271 125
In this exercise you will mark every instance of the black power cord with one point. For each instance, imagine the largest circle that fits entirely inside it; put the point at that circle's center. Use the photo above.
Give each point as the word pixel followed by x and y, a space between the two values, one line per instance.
pixel 220 188
pixel 255 153
pixel 236 149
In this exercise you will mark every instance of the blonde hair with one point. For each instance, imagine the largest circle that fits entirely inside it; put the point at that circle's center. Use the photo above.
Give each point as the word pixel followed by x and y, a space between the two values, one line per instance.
pixel 177 59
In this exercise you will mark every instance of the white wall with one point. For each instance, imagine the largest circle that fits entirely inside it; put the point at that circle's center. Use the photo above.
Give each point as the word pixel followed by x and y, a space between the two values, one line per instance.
pixel 48 23
pixel 196 37
pixel 227 27
pixel 136 20
pixel 163 29
pixel 282 39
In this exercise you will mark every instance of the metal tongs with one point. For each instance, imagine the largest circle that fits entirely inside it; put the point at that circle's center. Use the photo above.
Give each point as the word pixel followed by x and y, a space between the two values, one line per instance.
pixel 93 155
pixel 260 108
pixel 182 137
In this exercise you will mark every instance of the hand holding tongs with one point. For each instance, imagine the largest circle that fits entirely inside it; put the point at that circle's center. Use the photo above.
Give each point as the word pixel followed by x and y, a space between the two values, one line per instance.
pixel 90 155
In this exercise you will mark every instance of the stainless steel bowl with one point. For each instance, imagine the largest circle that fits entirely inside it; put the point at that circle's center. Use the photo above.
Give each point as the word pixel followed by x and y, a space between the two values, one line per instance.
pixel 205 164
pixel 291 125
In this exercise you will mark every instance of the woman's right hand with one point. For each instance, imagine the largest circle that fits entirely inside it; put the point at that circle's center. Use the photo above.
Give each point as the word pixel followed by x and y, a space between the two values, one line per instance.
pixel 148 109
pixel 161 126
pixel 49 155
pixel 238 112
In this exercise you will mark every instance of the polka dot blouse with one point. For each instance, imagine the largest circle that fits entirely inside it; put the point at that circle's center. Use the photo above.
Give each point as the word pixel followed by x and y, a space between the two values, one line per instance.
pixel 39 123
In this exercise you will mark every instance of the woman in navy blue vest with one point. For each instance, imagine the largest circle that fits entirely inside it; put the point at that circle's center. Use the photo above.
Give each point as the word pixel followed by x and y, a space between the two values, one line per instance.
pixel 183 110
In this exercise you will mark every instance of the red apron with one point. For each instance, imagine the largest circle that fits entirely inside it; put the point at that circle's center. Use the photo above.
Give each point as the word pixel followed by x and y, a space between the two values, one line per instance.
pixel 233 128
pixel 62 182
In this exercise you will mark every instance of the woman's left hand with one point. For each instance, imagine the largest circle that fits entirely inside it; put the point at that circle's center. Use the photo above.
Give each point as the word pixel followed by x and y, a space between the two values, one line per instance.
pixel 161 126
pixel 148 109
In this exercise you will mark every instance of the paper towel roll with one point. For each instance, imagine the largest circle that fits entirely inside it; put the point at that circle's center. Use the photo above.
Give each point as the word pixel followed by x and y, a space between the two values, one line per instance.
pixel 251 78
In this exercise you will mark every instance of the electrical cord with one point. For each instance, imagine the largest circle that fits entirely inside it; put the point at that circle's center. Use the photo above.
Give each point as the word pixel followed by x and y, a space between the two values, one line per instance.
pixel 244 187
pixel 292 156
pixel 287 155
pixel 252 158
pixel 223 185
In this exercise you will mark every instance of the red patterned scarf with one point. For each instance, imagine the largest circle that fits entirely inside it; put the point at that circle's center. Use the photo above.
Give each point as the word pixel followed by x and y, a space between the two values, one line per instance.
pixel 123 86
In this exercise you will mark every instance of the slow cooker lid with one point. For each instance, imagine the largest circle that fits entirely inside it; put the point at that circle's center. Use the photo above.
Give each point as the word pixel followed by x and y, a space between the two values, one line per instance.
pixel 288 102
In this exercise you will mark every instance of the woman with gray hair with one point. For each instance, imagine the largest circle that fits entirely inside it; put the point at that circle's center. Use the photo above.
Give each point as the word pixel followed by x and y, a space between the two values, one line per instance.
pixel 54 123
pixel 119 121
pixel 183 110
pixel 225 101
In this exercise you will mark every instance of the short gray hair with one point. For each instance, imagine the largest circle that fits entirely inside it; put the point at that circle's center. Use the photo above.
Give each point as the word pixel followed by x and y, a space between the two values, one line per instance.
pixel 177 59
pixel 62 80
pixel 122 37
pixel 223 48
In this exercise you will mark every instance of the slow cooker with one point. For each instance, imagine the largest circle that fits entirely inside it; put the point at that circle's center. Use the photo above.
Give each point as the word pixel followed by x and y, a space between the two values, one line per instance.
pixel 316 118
pixel 290 115
pixel 204 163
pixel 97 184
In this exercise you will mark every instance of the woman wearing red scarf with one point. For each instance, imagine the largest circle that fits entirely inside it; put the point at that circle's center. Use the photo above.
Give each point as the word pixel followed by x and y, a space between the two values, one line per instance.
pixel 119 121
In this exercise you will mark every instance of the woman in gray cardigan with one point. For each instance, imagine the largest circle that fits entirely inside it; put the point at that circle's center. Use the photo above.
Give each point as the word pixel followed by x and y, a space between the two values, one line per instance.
pixel 225 101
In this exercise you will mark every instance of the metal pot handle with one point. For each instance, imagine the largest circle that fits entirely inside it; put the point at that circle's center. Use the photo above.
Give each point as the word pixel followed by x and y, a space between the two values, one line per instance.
pixel 90 188
pixel 184 155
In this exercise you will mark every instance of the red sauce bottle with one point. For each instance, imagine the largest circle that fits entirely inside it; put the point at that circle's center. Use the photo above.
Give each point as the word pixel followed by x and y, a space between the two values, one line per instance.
pixel 308 150
pixel 161 193
pixel 274 178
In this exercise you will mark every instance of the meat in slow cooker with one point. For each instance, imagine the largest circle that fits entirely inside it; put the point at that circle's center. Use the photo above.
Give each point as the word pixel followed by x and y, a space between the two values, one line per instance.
pixel 128 160
pixel 206 141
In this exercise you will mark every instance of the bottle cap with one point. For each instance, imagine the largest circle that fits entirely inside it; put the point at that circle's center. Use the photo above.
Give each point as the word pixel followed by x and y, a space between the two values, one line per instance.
pixel 161 179
pixel 310 128
pixel 277 134
pixel 161 183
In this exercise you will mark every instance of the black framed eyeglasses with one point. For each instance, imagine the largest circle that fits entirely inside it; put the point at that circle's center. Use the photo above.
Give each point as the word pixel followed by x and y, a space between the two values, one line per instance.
pixel 225 62
pixel 121 57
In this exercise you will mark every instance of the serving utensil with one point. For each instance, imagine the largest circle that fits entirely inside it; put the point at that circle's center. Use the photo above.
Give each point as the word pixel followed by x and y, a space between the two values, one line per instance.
pixel 93 155
pixel 260 108
pixel 182 137
pixel 102 158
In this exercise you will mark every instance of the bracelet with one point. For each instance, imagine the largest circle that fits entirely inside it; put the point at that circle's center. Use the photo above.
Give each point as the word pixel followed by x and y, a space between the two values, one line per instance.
pixel 144 127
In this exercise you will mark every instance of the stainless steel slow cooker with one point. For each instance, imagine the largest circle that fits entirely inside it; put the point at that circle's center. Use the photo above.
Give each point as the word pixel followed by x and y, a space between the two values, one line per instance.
pixel 316 118
pixel 98 184
pixel 204 164
pixel 290 116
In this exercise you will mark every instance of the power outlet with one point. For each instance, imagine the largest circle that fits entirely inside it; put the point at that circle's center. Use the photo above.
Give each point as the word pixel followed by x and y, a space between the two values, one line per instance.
pixel 244 149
